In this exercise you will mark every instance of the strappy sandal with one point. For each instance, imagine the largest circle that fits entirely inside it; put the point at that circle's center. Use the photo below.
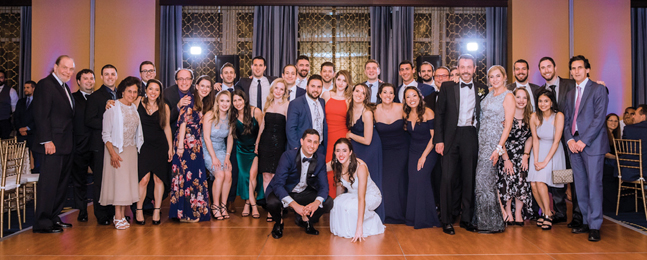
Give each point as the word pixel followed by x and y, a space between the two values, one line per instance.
pixel 269 218
pixel 508 220
pixel 257 215
pixel 548 223
pixel 540 221
pixel 223 211
pixel 246 214
pixel 121 224
pixel 215 212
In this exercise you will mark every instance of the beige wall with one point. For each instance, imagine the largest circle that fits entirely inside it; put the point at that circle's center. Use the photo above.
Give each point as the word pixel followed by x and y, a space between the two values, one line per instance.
pixel 58 28
pixel 539 28
pixel 124 35
pixel 602 33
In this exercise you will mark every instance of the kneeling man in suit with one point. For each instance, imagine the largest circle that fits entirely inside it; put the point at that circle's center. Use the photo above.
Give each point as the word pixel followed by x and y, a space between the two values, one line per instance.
pixel 300 182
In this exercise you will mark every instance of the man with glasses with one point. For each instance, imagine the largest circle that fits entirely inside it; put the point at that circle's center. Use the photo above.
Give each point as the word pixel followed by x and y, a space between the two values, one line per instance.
pixel 440 75
pixel 147 72
pixel 179 95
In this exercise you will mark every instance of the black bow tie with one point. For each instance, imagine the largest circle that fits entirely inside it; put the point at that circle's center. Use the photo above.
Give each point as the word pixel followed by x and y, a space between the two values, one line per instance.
pixel 305 159
pixel 466 85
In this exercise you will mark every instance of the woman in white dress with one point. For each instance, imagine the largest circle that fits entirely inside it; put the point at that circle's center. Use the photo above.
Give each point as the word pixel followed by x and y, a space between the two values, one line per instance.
pixel 353 214
pixel 547 155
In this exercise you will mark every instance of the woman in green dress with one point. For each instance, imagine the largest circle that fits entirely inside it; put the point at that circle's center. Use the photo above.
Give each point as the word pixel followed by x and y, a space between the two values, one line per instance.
pixel 245 120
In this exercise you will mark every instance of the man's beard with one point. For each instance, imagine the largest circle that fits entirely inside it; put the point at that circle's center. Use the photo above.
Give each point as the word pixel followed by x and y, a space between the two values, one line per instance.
pixel 303 73
pixel 310 95
pixel 521 80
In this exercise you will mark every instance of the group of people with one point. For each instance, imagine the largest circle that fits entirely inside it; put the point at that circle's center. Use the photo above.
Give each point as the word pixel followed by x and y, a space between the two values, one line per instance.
pixel 422 153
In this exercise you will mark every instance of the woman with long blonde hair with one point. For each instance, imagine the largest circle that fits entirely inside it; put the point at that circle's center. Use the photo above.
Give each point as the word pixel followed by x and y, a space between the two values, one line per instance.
pixel 271 140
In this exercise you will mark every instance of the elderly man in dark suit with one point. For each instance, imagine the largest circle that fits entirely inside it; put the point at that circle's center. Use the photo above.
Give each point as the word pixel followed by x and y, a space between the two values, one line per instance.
pixel 23 120
pixel 301 183
pixel 179 95
pixel 457 122
pixel 306 112
pixel 637 131
pixel 586 137
pixel 258 87
pixel 94 109
pixel 53 114
pixel 560 87
pixel 521 71
pixel 82 133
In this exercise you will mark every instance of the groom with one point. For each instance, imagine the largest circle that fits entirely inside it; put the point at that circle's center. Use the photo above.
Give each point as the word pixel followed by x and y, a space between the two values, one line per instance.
pixel 457 122
pixel 300 182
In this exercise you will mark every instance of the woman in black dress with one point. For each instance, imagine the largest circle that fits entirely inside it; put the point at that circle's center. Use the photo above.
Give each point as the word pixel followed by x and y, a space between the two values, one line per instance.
pixel 513 168
pixel 271 140
pixel 155 152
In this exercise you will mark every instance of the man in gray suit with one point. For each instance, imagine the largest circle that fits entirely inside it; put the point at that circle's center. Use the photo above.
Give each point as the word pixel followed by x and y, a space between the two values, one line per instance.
pixel 586 135
pixel 521 75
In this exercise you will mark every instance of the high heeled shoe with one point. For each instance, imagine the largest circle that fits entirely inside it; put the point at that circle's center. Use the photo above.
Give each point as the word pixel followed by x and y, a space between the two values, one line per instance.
pixel 159 221
pixel 143 222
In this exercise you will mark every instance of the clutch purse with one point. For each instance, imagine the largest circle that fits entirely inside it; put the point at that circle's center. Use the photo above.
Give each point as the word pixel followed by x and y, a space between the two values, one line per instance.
pixel 563 176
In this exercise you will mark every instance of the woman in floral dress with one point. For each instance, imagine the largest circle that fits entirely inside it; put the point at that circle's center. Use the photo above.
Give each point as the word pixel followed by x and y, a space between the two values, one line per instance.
pixel 189 186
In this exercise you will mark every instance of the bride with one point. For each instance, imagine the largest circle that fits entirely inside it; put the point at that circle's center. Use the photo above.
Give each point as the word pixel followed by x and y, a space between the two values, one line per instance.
pixel 353 214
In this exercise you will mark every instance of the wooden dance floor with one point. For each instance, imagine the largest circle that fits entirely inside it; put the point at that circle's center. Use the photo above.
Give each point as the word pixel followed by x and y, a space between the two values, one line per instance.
pixel 247 238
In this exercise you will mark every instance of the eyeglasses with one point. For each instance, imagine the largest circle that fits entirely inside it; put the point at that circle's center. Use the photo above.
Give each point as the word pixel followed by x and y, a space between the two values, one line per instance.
pixel 441 76
pixel 147 71
pixel 184 79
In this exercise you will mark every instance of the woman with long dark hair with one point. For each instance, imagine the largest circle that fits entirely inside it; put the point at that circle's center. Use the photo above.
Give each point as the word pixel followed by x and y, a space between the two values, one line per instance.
pixel 547 155
pixel 389 124
pixel 244 119
pixel 363 135
pixel 421 206
pixel 271 141
pixel 513 169
pixel 156 151
pixel 217 144
pixel 353 214
pixel 189 186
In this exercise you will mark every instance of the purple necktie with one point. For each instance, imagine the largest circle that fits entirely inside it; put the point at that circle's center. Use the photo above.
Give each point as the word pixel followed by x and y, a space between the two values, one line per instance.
pixel 577 108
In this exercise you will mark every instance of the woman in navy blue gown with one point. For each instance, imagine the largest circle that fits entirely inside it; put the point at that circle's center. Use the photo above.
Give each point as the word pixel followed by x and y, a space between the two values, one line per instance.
pixel 364 137
pixel 421 208
pixel 395 150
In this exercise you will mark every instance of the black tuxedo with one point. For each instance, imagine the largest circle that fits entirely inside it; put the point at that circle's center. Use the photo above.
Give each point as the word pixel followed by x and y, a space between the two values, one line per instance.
pixel 53 115
pixel 430 101
pixel 24 117
pixel 287 177
pixel 244 83
pixel 461 148
pixel 559 194
pixel 82 153
pixel 94 109
pixel 172 97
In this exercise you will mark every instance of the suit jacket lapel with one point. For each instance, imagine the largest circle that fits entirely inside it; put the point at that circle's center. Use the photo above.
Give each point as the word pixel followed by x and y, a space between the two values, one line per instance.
pixel 585 95
pixel 310 177
pixel 562 91
pixel 307 109
pixel 63 92
pixel 457 95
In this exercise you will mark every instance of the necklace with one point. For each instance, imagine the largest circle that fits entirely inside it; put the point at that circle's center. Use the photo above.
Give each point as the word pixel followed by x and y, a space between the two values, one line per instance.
pixel 150 110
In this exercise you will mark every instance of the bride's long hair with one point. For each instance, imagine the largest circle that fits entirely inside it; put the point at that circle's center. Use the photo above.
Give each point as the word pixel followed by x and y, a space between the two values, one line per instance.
pixel 337 166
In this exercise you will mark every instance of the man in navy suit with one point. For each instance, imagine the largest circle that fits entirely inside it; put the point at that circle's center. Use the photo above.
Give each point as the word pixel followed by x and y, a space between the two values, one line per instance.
pixel 290 77
pixel 637 131
pixel 586 137
pixel 53 113
pixel 23 121
pixel 300 182
pixel 406 69
pixel 258 87
pixel 306 112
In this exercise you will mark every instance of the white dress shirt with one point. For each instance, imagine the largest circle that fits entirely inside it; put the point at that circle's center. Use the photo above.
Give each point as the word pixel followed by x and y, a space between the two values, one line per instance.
pixel 582 86
pixel 253 88
pixel 293 92
pixel 375 87
pixel 467 105
pixel 302 83
pixel 317 114
pixel 401 91
pixel 225 87
pixel 302 185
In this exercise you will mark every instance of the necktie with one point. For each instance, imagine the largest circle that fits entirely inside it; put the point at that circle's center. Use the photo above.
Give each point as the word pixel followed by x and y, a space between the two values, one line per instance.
pixel 552 88
pixel 577 108
pixel 466 85
pixel 305 159
pixel 28 101
pixel 318 119
pixel 289 95
pixel 67 93
pixel 259 95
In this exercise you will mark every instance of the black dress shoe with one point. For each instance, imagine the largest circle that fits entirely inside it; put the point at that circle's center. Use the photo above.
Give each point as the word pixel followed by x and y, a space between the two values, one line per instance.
pixel 559 220
pixel 448 229
pixel 594 235
pixel 468 226
pixel 310 230
pixel 63 224
pixel 300 222
pixel 103 222
pixel 53 229
pixel 82 217
pixel 574 224
pixel 581 229
pixel 277 231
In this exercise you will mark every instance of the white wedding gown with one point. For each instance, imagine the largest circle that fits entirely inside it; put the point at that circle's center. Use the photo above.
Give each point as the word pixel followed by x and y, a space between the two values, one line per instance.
pixel 343 216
